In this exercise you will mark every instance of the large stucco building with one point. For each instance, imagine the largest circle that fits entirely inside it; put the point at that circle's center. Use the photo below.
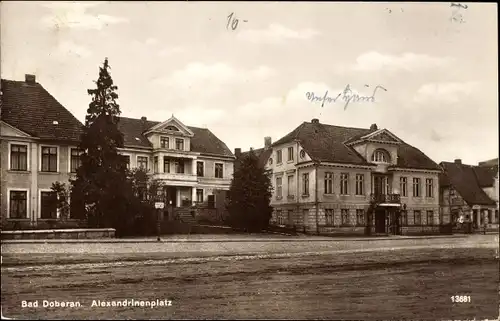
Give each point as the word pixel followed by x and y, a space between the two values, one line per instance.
pixel 340 180
pixel 39 139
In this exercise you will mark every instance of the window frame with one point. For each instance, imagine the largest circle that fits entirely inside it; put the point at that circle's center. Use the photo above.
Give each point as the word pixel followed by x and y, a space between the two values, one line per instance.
pixel 28 207
pixel 165 139
pixel 9 153
pixel 427 217
pixel 305 184
pixel 41 158
pixel 179 166
pixel 70 159
pixel 290 154
pixel 344 179
pixel 198 194
pixel 221 169
pixel 415 215
pixel 156 164
pixel 417 182
pixel 168 161
pixel 329 213
pixel 40 205
pixel 385 156
pixel 360 185
pixel 403 186
pixel 429 186
pixel 279 157
pixel 137 161
pixel 362 212
pixel 290 189
pixel 177 140
pixel 202 168
pixel 279 187
pixel 328 183
pixel 342 221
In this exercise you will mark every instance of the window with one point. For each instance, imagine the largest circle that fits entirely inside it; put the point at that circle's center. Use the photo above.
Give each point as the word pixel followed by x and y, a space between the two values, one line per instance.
pixel 281 219
pixel 279 159
pixel 343 183
pixel 430 217
pixel 416 187
pixel 496 216
pixel 75 160
pixel 344 214
pixel 179 166
pixel 155 164
pixel 48 205
pixel 179 144
pixel 417 218
pixel 490 216
pixel 329 217
pixel 199 195
pixel 164 142
pixel 173 128
pixel 18 206
pixel 403 186
pixel 291 186
pixel 127 160
pixel 328 183
pixel 360 217
pixel 404 218
pixel 279 187
pixel 219 170
pixel 302 154
pixel 305 184
pixel 199 169
pixel 290 154
pixel 142 162
pixel 360 183
pixel 19 157
pixel 380 156
pixel 429 187
pixel 49 159
pixel 290 217
pixel 166 165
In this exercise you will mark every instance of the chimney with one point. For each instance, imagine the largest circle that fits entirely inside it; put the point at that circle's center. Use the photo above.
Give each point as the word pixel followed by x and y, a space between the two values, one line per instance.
pixel 30 79
pixel 144 119
pixel 315 121
pixel 267 142
pixel 458 161
pixel 237 152
pixel 373 127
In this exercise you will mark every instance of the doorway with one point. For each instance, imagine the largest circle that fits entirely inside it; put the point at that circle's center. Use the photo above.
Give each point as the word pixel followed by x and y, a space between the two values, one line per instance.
pixel 380 221
pixel 171 195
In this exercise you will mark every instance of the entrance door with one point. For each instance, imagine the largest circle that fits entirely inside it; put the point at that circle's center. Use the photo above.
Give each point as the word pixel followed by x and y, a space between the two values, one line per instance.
pixel 380 221
pixel 171 195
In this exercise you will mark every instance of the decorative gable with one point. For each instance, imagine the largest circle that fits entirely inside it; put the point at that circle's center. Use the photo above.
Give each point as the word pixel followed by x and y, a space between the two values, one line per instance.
pixel 11 131
pixel 382 135
pixel 171 126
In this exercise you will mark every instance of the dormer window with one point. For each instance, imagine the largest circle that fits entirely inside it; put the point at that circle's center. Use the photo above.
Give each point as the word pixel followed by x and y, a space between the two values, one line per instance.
pixel 380 156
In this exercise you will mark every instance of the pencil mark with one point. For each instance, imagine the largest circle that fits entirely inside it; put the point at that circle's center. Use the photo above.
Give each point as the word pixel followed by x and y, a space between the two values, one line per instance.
pixel 347 95
pixel 459 5
pixel 233 21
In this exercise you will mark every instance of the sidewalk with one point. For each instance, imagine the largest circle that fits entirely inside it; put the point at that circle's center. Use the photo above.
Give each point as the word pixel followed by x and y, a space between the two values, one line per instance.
pixel 201 238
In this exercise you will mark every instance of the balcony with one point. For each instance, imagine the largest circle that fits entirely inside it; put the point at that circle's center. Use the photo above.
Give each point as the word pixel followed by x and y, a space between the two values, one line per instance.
pixel 385 198
pixel 176 177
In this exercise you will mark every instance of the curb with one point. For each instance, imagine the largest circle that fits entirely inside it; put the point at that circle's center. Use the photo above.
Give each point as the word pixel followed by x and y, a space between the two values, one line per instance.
pixel 306 239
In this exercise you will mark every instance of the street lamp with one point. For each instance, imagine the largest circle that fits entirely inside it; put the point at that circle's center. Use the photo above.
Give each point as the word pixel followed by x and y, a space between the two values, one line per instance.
pixel 159 204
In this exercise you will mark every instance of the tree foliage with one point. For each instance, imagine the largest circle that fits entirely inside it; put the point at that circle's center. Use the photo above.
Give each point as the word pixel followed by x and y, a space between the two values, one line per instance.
pixel 101 180
pixel 250 195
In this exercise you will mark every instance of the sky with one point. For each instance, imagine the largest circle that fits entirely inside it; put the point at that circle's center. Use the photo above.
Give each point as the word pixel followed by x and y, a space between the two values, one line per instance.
pixel 249 75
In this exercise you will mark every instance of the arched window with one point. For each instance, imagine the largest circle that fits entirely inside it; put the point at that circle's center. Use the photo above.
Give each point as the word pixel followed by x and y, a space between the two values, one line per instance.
pixel 380 156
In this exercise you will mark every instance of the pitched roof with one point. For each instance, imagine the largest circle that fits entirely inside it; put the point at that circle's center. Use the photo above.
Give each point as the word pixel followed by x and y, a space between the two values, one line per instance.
pixel 491 162
pixel 465 180
pixel 32 109
pixel 328 143
pixel 203 141
pixel 261 153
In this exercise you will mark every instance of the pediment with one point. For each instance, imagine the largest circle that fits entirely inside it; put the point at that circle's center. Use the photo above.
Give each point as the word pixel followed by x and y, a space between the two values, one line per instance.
pixel 172 126
pixel 11 131
pixel 382 135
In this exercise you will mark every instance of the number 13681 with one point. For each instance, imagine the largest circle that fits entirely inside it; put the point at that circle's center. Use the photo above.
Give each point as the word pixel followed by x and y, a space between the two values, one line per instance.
pixel 460 299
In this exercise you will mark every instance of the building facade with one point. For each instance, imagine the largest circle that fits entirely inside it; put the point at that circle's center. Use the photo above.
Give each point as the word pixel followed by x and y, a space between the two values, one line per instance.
pixel 38 137
pixel 192 163
pixel 339 180
pixel 470 193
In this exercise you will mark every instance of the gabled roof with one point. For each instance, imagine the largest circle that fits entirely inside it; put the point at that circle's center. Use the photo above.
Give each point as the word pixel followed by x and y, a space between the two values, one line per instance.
pixel 465 180
pixel 33 110
pixel 329 143
pixel 261 153
pixel 203 141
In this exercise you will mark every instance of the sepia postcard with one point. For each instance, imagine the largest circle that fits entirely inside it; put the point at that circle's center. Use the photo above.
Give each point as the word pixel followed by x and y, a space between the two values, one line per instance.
pixel 249 160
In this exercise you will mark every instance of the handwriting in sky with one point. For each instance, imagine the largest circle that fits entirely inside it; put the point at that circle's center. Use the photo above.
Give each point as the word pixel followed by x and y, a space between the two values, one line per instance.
pixel 232 21
pixel 456 15
pixel 459 5
pixel 347 96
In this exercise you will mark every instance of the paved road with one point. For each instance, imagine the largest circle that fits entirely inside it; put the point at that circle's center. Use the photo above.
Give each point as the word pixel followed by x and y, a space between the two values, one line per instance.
pixel 412 283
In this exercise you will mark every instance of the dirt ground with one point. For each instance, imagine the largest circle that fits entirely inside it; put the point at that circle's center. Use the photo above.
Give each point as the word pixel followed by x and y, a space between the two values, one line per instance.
pixel 409 284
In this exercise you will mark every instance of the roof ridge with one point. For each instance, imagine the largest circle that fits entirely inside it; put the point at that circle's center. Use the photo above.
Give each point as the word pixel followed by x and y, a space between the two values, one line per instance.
pixel 346 127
